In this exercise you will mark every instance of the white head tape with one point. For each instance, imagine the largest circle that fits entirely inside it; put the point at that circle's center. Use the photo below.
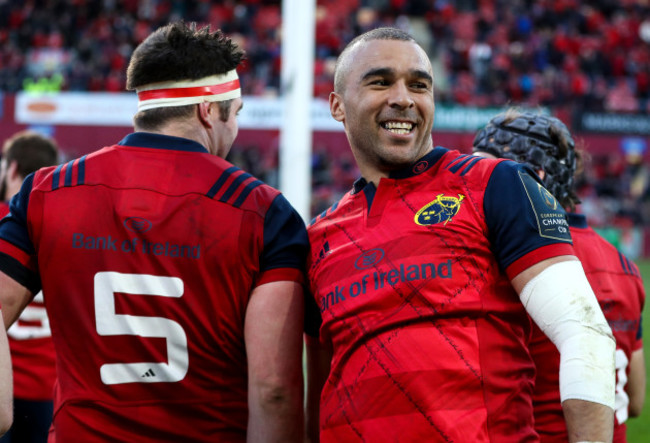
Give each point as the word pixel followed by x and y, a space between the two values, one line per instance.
pixel 215 88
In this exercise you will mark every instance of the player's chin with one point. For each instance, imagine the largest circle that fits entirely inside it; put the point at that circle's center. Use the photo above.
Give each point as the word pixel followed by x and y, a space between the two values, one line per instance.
pixel 399 156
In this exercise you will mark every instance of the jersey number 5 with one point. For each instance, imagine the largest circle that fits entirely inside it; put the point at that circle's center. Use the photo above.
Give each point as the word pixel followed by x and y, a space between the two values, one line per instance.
pixel 110 323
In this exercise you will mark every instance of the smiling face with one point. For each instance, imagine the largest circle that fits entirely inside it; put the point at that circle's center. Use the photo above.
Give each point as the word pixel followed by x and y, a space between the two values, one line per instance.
pixel 386 104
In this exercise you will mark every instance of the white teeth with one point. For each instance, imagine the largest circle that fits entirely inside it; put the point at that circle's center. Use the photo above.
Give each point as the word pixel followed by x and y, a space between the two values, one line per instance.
pixel 398 127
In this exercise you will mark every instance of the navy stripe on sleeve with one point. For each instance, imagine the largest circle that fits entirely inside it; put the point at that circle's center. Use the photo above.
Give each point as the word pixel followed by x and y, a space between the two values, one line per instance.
pixel 81 173
pixel 630 266
pixel 233 186
pixel 463 161
pixel 325 212
pixel 222 179
pixel 319 216
pixel 55 177
pixel 471 165
pixel 247 190
pixel 68 173
pixel 624 264
pixel 620 259
pixel 455 165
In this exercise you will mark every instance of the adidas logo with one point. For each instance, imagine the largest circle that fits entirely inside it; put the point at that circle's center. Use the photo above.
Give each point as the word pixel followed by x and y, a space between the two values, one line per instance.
pixel 324 250
pixel 149 373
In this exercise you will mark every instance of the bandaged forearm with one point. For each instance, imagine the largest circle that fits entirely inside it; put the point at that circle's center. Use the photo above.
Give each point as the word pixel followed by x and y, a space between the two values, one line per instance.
pixel 561 302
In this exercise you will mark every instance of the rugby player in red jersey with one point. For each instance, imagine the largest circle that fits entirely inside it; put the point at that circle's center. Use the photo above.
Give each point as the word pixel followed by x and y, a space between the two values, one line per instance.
pixel 424 274
pixel 172 279
pixel 545 144
pixel 30 338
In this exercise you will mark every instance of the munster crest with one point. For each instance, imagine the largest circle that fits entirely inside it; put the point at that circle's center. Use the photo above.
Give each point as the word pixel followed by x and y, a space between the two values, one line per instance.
pixel 440 210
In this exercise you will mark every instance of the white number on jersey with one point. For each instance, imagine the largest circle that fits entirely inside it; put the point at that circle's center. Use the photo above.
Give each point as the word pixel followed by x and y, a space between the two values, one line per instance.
pixel 621 400
pixel 110 323
pixel 32 323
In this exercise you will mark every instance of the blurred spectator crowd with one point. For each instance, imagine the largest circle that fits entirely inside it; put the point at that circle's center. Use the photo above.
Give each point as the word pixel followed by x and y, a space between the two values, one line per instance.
pixel 485 52
pixel 561 54
pixel 615 195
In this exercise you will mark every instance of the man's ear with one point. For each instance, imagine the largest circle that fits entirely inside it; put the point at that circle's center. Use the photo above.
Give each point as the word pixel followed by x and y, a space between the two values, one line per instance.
pixel 12 172
pixel 337 108
pixel 204 111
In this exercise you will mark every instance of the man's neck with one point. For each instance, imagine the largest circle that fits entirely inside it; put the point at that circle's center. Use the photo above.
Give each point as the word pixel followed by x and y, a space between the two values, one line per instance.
pixel 181 129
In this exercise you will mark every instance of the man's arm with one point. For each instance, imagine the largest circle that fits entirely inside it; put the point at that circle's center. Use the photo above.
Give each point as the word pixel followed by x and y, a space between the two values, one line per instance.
pixel 558 297
pixel 636 383
pixel 318 369
pixel 6 382
pixel 13 298
pixel 273 335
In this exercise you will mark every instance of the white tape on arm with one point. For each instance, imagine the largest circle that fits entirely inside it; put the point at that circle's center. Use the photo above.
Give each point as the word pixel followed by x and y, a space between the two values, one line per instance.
pixel 561 302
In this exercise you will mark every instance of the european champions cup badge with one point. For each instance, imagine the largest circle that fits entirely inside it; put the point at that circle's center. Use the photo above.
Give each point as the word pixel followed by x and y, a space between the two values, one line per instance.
pixel 440 210
pixel 548 198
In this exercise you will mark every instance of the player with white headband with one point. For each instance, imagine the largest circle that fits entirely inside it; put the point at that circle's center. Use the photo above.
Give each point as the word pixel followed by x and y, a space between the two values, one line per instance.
pixel 215 88
pixel 174 278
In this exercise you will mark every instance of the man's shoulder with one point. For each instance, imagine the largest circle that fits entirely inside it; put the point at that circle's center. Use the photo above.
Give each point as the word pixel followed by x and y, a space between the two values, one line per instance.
pixel 240 189
pixel 340 208
pixel 597 254
pixel 470 174
pixel 44 178
pixel 71 172
pixel 469 167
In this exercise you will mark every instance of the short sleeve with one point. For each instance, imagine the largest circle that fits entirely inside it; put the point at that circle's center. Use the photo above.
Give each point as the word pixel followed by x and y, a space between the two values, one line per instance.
pixel 17 253
pixel 526 223
pixel 285 244
pixel 638 342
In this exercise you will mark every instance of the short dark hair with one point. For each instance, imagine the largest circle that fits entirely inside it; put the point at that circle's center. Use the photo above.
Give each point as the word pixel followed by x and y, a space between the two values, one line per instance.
pixel 180 51
pixel 540 141
pixel 31 151
pixel 385 33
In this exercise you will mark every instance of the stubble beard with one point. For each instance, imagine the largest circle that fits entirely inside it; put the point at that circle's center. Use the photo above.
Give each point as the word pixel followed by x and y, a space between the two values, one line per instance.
pixel 376 152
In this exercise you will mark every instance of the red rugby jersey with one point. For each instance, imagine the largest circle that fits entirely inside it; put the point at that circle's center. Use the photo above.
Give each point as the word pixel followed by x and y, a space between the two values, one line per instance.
pixel 410 278
pixel 32 349
pixel 618 287
pixel 148 252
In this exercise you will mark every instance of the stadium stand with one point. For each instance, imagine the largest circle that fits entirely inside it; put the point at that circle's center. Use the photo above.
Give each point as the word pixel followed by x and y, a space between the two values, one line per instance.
pixel 562 55
pixel 550 53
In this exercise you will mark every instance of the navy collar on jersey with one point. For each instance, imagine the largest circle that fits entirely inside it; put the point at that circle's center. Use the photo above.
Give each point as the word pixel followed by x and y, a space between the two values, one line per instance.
pixel 577 220
pixel 160 141
pixel 417 168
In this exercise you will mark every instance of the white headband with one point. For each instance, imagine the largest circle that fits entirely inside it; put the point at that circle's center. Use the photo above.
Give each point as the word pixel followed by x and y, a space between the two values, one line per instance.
pixel 215 88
